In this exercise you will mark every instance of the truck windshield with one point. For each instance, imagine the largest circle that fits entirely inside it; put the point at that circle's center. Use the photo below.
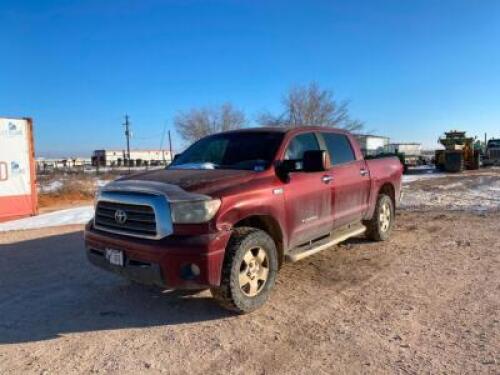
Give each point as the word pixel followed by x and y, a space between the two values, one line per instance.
pixel 240 150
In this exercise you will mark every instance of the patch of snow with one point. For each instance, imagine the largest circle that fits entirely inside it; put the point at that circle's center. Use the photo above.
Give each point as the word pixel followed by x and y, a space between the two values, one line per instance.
pixel 408 178
pixel 448 197
pixel 451 186
pixel 78 215
pixel 100 183
pixel 51 187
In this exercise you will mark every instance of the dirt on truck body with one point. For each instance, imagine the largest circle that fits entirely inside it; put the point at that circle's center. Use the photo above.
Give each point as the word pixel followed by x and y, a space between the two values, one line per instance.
pixel 235 206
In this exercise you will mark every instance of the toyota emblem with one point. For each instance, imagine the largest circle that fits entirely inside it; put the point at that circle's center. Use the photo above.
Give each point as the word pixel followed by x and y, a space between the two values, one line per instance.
pixel 120 216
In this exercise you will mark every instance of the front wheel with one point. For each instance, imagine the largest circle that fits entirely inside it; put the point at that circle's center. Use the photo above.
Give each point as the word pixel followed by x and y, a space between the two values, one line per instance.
pixel 249 270
pixel 379 228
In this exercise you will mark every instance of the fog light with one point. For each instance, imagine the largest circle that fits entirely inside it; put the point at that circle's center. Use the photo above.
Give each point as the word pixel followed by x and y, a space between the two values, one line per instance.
pixel 190 271
pixel 195 270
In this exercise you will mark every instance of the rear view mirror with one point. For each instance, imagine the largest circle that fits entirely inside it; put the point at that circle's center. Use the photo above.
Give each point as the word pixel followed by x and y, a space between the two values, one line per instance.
pixel 315 161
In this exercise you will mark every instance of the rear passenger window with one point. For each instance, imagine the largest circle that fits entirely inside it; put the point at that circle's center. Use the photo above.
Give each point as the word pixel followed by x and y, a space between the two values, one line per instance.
pixel 300 144
pixel 339 148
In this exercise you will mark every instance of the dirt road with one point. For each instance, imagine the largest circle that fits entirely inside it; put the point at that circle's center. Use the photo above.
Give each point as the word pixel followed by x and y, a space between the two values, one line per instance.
pixel 426 301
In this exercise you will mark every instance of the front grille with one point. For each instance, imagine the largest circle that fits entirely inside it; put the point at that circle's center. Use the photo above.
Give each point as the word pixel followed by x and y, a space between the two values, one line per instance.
pixel 494 154
pixel 140 219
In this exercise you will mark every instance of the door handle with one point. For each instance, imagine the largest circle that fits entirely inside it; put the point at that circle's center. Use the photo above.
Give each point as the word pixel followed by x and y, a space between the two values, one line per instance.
pixel 326 179
pixel 364 172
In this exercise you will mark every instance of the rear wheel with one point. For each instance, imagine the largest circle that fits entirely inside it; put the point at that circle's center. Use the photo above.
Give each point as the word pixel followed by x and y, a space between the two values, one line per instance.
pixel 249 270
pixel 379 228
pixel 476 162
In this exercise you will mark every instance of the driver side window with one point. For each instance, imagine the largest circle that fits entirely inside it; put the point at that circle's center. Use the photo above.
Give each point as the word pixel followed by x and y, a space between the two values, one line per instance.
pixel 300 144
pixel 297 147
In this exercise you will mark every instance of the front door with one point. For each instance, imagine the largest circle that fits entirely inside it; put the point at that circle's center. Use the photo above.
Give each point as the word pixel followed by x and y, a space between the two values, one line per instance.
pixel 308 203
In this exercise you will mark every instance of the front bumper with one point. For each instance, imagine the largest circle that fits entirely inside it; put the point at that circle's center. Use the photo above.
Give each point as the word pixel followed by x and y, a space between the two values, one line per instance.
pixel 489 162
pixel 142 272
pixel 166 262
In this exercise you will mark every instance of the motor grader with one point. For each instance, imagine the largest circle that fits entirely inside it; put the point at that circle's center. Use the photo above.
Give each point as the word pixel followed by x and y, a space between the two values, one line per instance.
pixel 460 152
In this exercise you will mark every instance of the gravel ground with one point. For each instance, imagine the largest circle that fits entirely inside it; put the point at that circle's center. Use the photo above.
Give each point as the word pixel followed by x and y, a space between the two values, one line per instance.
pixel 427 301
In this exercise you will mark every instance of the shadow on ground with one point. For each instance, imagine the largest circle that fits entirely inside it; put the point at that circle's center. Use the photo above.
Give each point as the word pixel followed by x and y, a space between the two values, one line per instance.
pixel 47 288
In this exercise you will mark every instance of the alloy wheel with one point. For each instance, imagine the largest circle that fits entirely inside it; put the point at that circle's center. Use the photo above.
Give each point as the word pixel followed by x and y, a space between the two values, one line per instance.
pixel 254 271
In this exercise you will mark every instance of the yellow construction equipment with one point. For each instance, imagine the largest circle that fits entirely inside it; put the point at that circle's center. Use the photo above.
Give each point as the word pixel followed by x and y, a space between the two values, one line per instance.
pixel 460 152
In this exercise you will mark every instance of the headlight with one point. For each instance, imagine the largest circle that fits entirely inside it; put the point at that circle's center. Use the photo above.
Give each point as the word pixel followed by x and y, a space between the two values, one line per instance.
pixel 194 212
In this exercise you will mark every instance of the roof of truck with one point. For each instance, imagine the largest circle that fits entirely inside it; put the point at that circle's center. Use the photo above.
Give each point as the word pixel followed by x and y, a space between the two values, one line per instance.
pixel 287 130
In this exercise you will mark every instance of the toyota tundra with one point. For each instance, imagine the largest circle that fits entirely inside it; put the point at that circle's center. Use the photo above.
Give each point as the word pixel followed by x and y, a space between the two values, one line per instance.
pixel 230 210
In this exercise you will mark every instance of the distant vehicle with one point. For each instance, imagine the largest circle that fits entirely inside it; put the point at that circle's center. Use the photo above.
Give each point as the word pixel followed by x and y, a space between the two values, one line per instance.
pixel 460 152
pixel 492 153
pixel 233 207
pixel 411 153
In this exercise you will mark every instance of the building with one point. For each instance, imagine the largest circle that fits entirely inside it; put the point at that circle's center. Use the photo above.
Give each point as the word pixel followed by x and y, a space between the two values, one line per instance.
pixel 44 164
pixel 18 195
pixel 372 144
pixel 138 158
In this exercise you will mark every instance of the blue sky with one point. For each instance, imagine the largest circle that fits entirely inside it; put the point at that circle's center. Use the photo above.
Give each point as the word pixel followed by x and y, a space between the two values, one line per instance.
pixel 411 69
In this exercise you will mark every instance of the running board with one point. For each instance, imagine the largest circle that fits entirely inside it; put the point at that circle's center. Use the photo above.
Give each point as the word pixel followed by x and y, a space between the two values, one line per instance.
pixel 304 251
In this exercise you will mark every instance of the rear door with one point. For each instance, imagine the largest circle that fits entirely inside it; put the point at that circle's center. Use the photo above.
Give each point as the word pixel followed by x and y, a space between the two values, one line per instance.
pixel 308 202
pixel 351 180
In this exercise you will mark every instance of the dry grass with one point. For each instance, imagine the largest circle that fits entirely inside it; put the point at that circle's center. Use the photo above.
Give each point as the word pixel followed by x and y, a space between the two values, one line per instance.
pixel 75 189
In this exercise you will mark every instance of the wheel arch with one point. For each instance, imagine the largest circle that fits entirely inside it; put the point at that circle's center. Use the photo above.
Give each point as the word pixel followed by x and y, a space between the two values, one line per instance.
pixel 385 188
pixel 268 224
pixel 388 189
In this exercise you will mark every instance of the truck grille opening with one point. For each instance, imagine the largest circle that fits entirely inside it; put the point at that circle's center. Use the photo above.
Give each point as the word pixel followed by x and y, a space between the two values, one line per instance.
pixel 138 220
pixel 495 154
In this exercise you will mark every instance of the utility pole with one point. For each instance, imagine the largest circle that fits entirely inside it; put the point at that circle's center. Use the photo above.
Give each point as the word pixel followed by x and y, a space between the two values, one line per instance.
pixel 170 146
pixel 161 145
pixel 127 136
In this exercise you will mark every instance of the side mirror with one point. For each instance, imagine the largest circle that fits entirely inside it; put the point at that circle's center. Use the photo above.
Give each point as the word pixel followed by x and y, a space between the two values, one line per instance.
pixel 315 161
pixel 284 167
pixel 176 156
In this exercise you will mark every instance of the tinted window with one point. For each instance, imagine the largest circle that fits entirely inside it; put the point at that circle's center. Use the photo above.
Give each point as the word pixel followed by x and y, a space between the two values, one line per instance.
pixel 239 150
pixel 299 144
pixel 339 148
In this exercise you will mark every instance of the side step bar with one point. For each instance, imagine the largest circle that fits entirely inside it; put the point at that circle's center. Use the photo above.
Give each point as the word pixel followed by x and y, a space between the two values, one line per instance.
pixel 304 251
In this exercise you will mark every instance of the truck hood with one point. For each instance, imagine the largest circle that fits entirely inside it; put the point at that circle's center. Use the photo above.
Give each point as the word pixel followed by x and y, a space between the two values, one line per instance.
pixel 200 181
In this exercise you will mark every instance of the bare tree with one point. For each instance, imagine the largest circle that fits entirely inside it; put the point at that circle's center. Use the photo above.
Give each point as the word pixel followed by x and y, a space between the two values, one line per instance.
pixel 200 122
pixel 311 106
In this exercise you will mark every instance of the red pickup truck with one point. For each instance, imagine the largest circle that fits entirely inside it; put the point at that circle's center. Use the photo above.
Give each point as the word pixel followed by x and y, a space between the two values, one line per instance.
pixel 235 206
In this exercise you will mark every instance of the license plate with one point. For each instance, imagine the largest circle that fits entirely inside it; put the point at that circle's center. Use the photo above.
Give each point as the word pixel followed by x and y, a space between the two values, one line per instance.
pixel 114 257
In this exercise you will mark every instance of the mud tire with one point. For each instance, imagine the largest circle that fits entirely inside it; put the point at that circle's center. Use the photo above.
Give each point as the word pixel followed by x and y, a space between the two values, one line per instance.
pixel 229 294
pixel 374 228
